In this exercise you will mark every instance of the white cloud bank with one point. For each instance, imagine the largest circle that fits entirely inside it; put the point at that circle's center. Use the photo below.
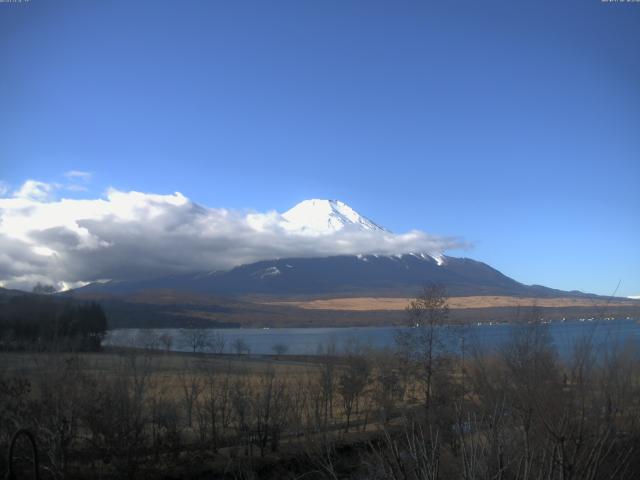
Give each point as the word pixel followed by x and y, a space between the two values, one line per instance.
pixel 127 235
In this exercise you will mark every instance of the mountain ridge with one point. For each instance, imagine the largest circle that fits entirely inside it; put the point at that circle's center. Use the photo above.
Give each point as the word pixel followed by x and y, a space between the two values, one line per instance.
pixel 339 276
pixel 333 276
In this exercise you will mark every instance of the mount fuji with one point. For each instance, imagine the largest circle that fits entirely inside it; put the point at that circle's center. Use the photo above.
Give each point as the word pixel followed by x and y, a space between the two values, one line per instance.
pixel 402 274
pixel 265 293
pixel 324 217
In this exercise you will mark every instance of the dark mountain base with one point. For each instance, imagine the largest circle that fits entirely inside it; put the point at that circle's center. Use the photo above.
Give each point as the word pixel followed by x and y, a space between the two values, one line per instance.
pixel 122 315
pixel 351 276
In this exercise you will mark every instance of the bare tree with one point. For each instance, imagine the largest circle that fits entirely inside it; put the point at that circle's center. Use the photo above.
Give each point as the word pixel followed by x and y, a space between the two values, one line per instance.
pixel 240 346
pixel 240 395
pixel 191 384
pixel 353 380
pixel 280 349
pixel 327 379
pixel 217 343
pixel 166 340
pixel 269 409
pixel 116 414
pixel 388 388
pixel 61 390
pixel 147 339
pixel 198 339
pixel 215 410
pixel 412 454
pixel 421 344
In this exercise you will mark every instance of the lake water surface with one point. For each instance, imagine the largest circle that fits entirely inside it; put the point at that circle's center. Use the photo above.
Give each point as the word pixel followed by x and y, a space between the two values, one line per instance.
pixel 310 341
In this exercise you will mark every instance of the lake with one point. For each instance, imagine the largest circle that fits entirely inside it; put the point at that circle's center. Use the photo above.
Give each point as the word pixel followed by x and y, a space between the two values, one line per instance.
pixel 308 341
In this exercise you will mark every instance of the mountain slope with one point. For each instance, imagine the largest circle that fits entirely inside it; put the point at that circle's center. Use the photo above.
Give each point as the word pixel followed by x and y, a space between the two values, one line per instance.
pixel 338 276
pixel 341 276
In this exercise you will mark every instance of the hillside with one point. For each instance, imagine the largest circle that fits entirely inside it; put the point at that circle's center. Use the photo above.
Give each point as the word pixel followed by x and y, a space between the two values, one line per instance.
pixel 340 276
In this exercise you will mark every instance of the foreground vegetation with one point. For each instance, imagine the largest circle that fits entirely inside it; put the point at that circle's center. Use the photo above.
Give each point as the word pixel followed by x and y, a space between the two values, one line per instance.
pixel 414 412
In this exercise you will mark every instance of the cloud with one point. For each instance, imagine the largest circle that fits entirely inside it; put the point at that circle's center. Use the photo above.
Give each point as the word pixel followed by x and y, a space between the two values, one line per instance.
pixel 4 188
pixel 128 235
pixel 35 190
pixel 78 175
pixel 78 180
pixel 72 187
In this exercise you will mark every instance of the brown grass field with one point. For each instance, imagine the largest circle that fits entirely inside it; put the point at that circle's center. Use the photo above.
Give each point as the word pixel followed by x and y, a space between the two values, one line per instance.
pixel 165 367
pixel 360 304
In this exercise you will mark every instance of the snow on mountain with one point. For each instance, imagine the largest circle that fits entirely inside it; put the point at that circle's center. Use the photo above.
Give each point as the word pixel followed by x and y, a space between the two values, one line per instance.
pixel 266 272
pixel 320 217
pixel 438 257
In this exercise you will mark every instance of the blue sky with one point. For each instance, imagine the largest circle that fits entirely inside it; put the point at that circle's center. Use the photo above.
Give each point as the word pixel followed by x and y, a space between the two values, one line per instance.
pixel 514 125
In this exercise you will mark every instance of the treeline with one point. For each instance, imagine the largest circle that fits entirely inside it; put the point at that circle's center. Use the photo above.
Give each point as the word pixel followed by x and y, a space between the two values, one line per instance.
pixel 41 322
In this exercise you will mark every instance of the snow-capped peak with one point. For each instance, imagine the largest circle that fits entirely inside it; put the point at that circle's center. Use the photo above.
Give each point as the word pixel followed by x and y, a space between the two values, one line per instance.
pixel 318 216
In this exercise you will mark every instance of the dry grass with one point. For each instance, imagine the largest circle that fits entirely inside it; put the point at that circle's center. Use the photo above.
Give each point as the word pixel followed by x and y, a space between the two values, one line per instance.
pixel 395 304
pixel 165 369
pixel 167 376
